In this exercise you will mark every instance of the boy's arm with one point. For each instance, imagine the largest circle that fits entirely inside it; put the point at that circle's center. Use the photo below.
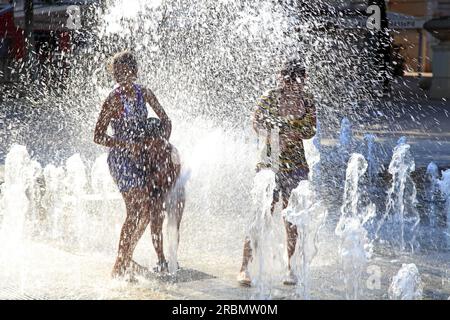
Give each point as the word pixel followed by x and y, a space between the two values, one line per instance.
pixel 306 125
pixel 262 114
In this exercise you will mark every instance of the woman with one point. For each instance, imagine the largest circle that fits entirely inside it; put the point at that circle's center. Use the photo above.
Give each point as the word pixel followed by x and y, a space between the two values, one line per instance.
pixel 125 109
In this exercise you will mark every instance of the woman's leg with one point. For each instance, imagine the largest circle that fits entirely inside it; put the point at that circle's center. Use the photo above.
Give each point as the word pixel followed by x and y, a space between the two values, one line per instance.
pixel 137 204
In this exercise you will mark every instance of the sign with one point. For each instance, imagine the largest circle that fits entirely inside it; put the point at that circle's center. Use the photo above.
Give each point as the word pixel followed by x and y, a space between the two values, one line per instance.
pixel 395 21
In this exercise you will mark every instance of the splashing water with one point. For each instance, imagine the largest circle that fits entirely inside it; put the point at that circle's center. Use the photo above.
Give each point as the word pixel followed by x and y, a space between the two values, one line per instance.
pixel 15 229
pixel 444 185
pixel 75 186
pixel 401 215
pixel 346 137
pixel 101 181
pixel 207 62
pixel 308 215
pixel 262 234
pixel 354 248
pixel 356 168
pixel 52 201
pixel 314 149
pixel 353 254
pixel 432 189
pixel 173 206
pixel 18 178
pixel 105 208
pixel 407 284
pixel 370 154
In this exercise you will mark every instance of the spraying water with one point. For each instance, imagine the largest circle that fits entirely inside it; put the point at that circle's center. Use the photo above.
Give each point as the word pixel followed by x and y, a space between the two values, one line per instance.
pixel 101 181
pixel 104 208
pixel 406 284
pixel 75 186
pixel 354 248
pixel 401 215
pixel 52 201
pixel 432 189
pixel 262 234
pixel 19 174
pixel 174 207
pixel 346 137
pixel 308 215
pixel 14 231
pixel 314 150
pixel 370 154
pixel 444 185
pixel 207 62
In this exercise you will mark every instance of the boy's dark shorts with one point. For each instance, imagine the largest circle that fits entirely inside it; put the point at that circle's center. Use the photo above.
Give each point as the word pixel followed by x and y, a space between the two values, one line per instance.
pixel 286 181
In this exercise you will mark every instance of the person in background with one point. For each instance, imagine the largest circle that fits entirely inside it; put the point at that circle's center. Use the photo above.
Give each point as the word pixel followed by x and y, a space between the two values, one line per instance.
pixel 289 108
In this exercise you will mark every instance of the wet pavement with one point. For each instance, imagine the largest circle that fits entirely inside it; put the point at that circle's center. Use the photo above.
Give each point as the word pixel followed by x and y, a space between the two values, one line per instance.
pixel 41 271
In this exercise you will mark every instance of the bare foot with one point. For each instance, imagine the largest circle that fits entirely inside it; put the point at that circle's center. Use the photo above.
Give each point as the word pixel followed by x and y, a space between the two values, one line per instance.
pixel 244 279
pixel 161 267
pixel 118 271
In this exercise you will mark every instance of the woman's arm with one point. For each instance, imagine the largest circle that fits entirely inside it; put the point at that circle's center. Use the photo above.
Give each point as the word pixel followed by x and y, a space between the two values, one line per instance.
pixel 106 114
pixel 151 99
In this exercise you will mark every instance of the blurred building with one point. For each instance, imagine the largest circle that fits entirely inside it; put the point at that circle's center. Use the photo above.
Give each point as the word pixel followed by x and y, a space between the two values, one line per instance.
pixel 52 34
pixel 406 20
pixel 417 43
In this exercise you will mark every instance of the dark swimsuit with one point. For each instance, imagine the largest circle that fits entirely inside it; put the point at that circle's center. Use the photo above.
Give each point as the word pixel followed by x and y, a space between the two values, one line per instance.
pixel 129 172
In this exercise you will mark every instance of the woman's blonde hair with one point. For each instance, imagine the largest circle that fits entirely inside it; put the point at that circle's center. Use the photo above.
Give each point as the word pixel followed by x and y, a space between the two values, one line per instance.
pixel 123 58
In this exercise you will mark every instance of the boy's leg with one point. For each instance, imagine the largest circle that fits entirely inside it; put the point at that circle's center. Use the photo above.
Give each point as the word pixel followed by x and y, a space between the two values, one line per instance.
pixel 290 182
pixel 156 226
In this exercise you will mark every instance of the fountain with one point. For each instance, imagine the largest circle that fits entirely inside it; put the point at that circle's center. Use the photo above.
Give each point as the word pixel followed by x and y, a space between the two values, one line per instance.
pixel 172 218
pixel 444 185
pixel 262 235
pixel 101 181
pixel 52 201
pixel 19 173
pixel 407 284
pixel 371 156
pixel 75 188
pixel 354 248
pixel 345 139
pixel 35 190
pixel 308 214
pixel 207 62
pixel 333 162
pixel 314 150
pixel 104 207
pixel 15 225
pixel 401 216
pixel 432 190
